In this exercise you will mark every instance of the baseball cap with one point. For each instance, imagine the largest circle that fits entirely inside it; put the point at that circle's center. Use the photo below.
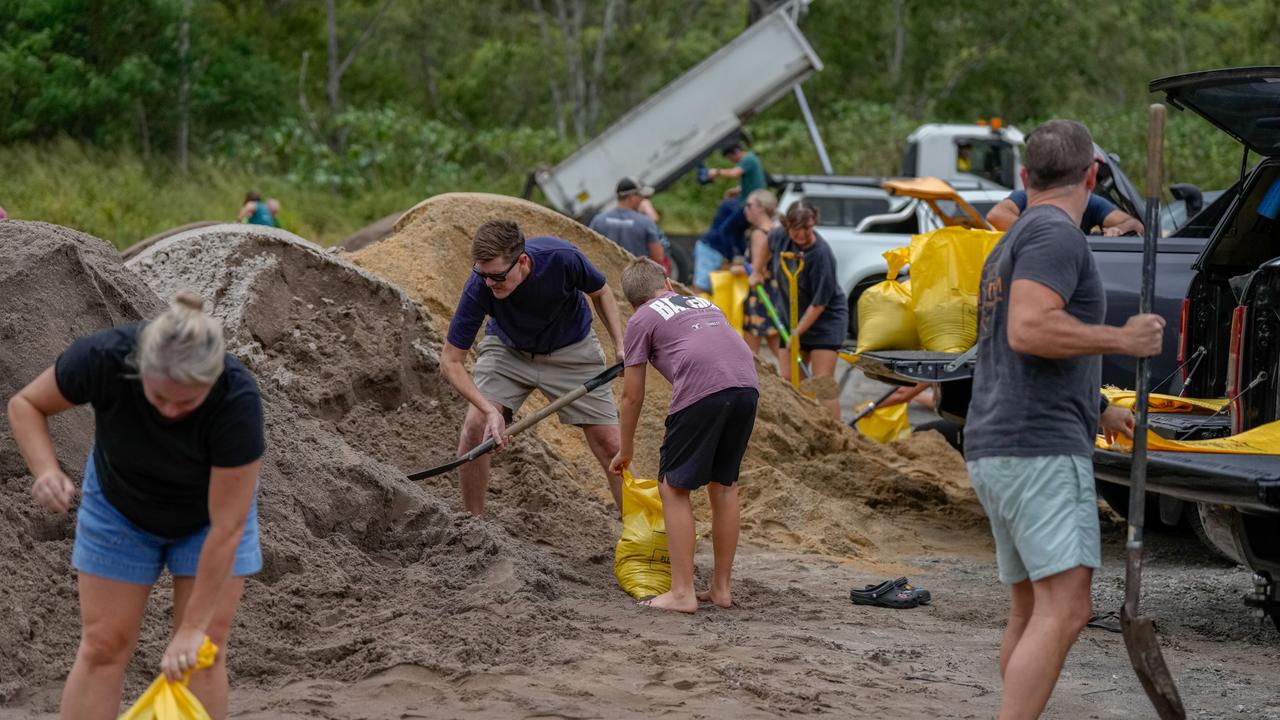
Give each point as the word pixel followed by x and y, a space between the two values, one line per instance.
pixel 628 185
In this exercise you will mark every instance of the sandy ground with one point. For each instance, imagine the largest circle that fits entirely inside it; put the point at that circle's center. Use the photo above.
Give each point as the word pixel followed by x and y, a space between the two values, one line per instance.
pixel 796 646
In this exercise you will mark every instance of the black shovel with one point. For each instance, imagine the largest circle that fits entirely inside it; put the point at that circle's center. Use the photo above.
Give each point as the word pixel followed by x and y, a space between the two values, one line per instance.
pixel 1139 630
pixel 525 424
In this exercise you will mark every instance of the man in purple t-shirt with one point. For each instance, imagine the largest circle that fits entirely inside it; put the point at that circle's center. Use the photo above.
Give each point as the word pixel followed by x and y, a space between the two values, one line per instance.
pixel 714 391
pixel 539 338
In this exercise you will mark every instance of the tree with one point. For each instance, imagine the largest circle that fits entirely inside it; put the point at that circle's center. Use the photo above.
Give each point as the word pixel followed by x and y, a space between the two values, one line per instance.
pixel 581 88
pixel 338 65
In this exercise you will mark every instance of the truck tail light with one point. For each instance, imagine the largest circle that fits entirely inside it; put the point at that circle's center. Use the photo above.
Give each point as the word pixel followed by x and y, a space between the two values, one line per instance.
pixel 1234 366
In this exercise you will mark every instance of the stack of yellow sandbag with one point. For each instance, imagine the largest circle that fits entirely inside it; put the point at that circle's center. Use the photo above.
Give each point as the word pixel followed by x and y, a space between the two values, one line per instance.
pixel 946 269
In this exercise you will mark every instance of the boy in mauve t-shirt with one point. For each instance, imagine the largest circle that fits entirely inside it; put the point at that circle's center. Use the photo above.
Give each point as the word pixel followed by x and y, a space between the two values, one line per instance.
pixel 714 390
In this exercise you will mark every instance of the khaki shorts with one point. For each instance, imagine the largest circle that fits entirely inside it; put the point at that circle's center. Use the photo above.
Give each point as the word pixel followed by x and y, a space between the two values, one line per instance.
pixel 507 376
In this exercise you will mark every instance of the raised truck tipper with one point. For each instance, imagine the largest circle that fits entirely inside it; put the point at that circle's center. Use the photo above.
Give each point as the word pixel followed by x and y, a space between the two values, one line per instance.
pixel 666 135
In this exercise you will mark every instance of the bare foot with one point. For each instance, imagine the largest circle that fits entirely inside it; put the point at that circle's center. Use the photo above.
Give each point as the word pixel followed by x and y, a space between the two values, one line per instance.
pixel 724 600
pixel 676 603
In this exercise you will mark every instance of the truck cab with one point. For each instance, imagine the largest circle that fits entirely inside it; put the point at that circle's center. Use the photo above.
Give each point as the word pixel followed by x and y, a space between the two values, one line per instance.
pixel 989 154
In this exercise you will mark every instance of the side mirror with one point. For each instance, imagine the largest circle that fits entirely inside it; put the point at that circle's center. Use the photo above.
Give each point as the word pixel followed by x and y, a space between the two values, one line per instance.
pixel 1190 194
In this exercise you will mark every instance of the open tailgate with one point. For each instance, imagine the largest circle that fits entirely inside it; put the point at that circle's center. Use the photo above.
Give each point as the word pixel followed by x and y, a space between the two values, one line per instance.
pixel 1248 482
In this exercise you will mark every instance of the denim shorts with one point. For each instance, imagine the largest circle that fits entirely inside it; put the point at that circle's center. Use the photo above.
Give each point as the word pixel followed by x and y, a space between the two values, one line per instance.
pixel 108 545
pixel 1043 513
pixel 706 260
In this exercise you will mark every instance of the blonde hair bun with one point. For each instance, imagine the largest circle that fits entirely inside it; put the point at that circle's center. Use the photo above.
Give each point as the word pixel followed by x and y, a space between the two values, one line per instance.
pixel 190 300
pixel 183 343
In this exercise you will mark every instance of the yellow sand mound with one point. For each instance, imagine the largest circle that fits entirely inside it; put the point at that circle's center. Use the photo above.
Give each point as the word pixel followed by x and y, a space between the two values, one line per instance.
pixel 808 481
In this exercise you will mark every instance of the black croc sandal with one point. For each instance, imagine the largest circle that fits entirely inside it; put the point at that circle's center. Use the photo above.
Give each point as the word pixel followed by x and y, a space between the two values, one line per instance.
pixel 887 594
pixel 921 594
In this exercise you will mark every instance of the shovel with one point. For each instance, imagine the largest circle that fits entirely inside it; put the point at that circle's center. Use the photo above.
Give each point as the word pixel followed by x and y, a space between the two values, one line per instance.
pixel 1139 630
pixel 484 447
pixel 871 407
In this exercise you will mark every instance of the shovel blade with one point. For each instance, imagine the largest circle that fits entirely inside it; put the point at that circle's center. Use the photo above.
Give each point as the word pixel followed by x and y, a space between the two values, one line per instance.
pixel 1148 663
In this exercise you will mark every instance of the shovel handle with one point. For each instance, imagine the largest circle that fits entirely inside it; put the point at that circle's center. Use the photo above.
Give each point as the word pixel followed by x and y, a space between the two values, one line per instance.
pixel 605 377
pixel 595 382
pixel 1142 385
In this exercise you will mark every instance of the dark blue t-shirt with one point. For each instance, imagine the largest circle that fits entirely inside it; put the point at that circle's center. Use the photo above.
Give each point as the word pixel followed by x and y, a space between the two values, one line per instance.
pixel 727 234
pixel 816 285
pixel 1094 213
pixel 153 470
pixel 544 313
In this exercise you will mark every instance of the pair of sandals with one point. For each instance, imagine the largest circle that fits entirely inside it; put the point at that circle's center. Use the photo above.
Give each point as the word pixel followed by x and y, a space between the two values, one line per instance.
pixel 898 594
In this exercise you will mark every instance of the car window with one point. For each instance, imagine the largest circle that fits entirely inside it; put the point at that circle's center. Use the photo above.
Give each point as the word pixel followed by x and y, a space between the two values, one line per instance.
pixel 847 212
pixel 991 158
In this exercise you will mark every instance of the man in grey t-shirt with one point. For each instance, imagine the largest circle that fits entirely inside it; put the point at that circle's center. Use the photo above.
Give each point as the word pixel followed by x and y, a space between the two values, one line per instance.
pixel 1036 409
pixel 627 226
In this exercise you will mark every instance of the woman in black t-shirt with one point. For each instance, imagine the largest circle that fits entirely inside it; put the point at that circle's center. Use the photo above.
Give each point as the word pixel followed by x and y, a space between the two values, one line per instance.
pixel 823 308
pixel 172 481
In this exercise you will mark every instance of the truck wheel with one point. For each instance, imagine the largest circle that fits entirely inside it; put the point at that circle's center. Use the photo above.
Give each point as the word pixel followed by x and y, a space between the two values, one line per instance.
pixel 681 264
pixel 1117 496
pixel 1213 527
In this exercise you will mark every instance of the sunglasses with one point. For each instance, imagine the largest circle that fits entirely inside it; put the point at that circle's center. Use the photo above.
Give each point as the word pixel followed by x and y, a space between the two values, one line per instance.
pixel 498 276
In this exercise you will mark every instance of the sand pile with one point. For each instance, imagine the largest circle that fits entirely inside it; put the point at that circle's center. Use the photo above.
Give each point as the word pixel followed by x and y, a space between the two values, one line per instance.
pixel 58 284
pixel 364 570
pixel 811 483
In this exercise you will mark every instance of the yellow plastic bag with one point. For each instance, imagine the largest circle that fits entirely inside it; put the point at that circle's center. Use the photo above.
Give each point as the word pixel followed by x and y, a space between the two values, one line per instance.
pixel 641 561
pixel 885 318
pixel 886 424
pixel 1262 440
pixel 946 269
pixel 729 292
pixel 1164 403
pixel 166 700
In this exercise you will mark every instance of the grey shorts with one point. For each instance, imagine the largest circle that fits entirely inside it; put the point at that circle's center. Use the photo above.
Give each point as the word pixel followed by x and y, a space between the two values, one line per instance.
pixel 1043 513
pixel 507 376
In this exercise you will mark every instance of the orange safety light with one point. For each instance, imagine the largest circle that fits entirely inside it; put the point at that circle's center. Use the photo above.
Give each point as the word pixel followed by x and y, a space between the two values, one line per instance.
pixel 996 123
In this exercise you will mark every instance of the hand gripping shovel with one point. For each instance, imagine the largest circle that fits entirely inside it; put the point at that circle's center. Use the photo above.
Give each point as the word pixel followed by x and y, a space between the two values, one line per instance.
pixel 484 447
pixel 1139 631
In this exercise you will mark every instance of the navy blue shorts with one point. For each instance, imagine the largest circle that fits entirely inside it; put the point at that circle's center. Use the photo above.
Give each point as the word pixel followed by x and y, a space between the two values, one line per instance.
pixel 108 544
pixel 705 442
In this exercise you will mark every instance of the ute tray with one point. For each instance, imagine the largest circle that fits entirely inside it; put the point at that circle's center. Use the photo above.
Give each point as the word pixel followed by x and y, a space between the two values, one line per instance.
pixel 913 366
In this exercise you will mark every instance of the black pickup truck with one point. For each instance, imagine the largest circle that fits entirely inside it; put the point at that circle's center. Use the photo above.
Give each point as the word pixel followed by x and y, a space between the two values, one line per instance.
pixel 1222 273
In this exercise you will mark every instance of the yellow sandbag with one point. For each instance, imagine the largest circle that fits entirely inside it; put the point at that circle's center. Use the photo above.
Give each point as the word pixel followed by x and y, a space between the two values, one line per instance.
pixel 1164 403
pixel 946 269
pixel 165 700
pixel 641 561
pixel 728 292
pixel 1262 440
pixel 886 424
pixel 885 318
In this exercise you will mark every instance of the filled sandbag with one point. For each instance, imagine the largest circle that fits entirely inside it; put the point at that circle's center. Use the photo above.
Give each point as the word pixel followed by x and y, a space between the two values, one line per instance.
pixel 641 561
pixel 946 269
pixel 886 320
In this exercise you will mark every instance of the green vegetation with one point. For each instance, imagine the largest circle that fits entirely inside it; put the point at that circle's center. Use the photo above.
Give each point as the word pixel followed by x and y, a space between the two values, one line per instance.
pixel 112 123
